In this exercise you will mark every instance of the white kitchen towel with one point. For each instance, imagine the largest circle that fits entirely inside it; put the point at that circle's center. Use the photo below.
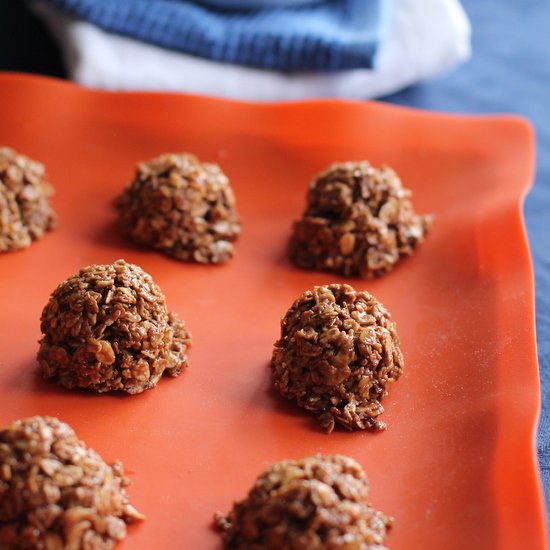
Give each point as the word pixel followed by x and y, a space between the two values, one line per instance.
pixel 426 38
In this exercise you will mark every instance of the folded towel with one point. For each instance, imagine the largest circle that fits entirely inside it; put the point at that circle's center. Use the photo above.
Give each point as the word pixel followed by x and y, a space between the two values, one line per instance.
pixel 257 3
pixel 329 35
pixel 425 39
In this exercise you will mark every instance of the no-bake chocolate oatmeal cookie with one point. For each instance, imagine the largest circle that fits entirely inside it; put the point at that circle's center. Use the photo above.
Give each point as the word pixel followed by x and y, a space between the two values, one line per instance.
pixel 25 211
pixel 182 207
pixel 317 503
pixel 336 356
pixel 107 328
pixel 56 493
pixel 359 220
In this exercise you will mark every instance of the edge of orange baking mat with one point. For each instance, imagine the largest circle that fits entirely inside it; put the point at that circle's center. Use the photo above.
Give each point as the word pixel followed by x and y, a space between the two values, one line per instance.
pixel 505 256
pixel 517 487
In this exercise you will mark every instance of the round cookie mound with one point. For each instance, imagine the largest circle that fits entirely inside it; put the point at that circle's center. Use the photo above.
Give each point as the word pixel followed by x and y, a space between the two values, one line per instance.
pixel 25 211
pixel 358 221
pixel 55 493
pixel 107 328
pixel 319 502
pixel 182 207
pixel 337 354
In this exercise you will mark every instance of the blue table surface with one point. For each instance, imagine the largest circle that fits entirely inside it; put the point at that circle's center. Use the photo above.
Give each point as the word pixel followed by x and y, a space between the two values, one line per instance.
pixel 510 73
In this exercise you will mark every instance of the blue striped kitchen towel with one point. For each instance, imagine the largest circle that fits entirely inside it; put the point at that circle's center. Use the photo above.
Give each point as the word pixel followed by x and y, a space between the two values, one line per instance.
pixel 329 35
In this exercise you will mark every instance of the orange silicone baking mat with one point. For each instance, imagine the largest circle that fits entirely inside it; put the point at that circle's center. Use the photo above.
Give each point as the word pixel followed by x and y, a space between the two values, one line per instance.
pixel 456 466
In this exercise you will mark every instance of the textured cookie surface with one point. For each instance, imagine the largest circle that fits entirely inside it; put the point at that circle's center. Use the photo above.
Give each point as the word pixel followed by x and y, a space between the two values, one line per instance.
pixel 25 211
pixel 108 328
pixel 316 503
pixel 358 221
pixel 56 493
pixel 182 207
pixel 337 353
